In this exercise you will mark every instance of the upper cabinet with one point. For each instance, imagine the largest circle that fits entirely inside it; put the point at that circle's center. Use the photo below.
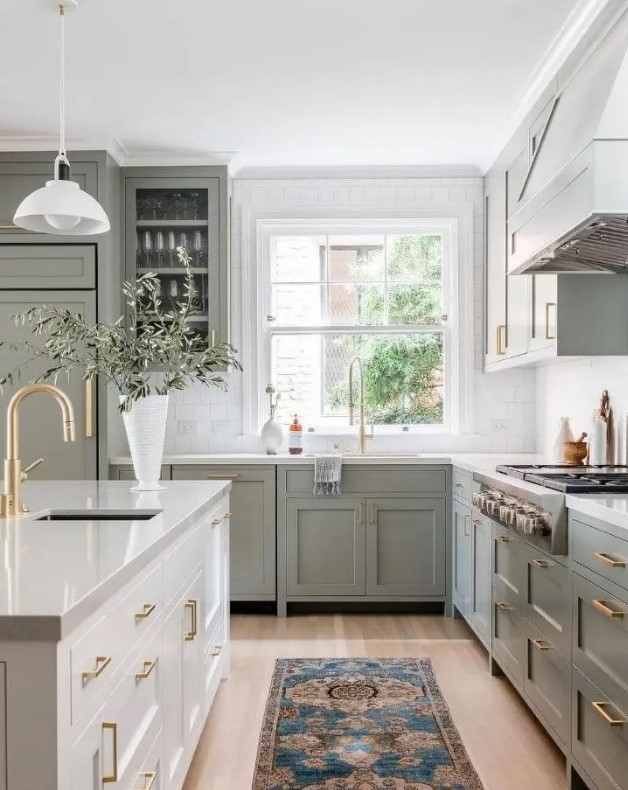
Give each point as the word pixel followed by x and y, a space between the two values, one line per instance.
pixel 166 208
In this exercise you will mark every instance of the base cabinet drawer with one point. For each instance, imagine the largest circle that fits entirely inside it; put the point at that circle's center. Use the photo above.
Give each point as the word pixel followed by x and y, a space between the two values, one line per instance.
pixel 509 561
pixel 547 682
pixel 509 632
pixel 548 599
pixel 599 735
pixel 600 640
pixel 599 552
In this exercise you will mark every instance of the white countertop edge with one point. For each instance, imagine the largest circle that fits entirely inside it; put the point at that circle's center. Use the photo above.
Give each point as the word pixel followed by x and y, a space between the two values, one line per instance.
pixel 610 508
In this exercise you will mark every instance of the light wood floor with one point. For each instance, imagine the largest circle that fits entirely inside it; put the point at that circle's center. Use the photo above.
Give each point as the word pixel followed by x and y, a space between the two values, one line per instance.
pixel 507 746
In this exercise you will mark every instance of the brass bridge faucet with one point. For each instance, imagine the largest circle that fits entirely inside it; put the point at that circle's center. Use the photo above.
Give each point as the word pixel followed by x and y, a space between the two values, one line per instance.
pixel 363 435
pixel 11 501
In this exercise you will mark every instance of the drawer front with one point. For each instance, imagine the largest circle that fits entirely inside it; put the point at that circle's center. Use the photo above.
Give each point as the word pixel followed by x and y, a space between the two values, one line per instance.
pixel 600 552
pixel 547 682
pixel 212 665
pixel 43 266
pixel 548 599
pixel 509 561
pixel 509 631
pixel 98 656
pixel 462 485
pixel 600 643
pixel 373 480
pixel 599 745
pixel 151 774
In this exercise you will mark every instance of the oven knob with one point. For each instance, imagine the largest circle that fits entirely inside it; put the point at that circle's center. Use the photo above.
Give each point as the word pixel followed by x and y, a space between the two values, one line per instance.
pixel 476 499
pixel 540 525
pixel 494 505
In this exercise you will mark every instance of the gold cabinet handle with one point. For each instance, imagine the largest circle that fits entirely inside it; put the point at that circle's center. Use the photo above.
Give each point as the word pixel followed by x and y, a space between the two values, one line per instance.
pixel 501 339
pixel 604 558
pixel 212 338
pixel 371 513
pixel 147 610
pixel 223 477
pixel 505 607
pixel 89 408
pixel 113 727
pixel 606 610
pixel 548 306
pixel 102 662
pixel 360 513
pixel 216 521
pixel 504 539
pixel 150 777
pixel 477 522
pixel 192 605
pixel 148 668
pixel 217 650
pixel 543 563
pixel 467 526
pixel 227 515
pixel 541 644
pixel 598 707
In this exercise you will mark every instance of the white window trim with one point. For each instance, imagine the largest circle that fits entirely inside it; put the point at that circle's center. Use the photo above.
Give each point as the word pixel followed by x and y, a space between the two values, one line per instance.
pixel 259 225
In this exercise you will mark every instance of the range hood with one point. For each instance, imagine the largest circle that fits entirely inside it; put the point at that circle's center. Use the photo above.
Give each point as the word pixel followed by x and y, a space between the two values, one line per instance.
pixel 572 214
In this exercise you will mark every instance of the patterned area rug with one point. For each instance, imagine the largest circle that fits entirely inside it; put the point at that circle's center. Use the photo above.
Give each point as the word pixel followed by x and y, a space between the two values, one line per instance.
pixel 359 724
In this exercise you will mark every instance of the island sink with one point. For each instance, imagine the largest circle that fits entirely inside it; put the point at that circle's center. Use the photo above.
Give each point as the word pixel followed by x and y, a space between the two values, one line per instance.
pixel 99 515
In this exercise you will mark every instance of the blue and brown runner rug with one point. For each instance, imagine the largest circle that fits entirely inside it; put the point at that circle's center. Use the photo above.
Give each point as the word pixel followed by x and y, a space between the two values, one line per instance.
pixel 359 724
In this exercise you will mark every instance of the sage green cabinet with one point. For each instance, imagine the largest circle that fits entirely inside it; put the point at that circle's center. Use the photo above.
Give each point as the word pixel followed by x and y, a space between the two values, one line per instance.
pixel 48 266
pixel 168 207
pixel 252 527
pixel 325 546
pixel 462 557
pixel 405 547
pixel 479 616
pixel 41 430
pixel 127 473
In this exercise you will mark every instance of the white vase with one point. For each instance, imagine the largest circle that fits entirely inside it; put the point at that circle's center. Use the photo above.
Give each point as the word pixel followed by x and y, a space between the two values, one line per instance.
pixel 564 434
pixel 272 436
pixel 145 427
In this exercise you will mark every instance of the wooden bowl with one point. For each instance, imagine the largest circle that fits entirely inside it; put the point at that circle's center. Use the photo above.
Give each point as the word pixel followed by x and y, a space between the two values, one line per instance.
pixel 574 453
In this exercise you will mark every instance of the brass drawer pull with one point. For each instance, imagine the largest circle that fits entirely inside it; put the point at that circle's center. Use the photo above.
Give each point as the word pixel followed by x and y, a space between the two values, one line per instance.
pixel 148 668
pixel 216 521
pixel 192 605
pixel 543 563
pixel 609 561
pixel 89 408
pixel 459 485
pixel 102 662
pixel 477 522
pixel 505 607
pixel 112 725
pixel 541 644
pixel 227 515
pixel 606 610
pixel 360 513
pixel 548 335
pixel 147 610
pixel 223 477
pixel 371 513
pixel 501 339
pixel 598 707
pixel 148 776
pixel 504 539
pixel 217 650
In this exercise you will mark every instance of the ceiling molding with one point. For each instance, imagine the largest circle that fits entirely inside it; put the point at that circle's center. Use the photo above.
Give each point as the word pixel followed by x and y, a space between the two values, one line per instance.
pixel 382 171
pixel 587 18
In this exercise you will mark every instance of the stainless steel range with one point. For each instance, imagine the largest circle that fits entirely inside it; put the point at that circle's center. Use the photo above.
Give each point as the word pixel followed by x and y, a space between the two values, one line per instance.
pixel 530 499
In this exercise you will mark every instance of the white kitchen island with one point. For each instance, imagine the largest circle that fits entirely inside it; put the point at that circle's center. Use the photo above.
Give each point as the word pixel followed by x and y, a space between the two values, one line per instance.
pixel 114 626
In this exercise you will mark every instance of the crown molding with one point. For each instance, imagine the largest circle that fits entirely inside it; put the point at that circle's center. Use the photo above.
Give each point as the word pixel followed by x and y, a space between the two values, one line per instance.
pixel 336 172
pixel 588 19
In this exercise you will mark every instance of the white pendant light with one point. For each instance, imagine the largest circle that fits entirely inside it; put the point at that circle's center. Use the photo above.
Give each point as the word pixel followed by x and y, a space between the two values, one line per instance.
pixel 62 206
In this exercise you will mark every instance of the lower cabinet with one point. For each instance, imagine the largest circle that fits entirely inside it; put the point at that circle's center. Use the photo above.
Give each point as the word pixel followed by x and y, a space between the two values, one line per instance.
pixel 462 557
pixel 479 615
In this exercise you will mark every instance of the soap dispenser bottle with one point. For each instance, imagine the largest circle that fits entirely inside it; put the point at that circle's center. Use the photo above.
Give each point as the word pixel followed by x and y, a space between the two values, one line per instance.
pixel 295 444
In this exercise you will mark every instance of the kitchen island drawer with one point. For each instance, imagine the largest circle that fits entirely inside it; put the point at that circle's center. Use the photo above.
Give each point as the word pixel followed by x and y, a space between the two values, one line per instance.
pixel 369 480
pixel 599 735
pixel 548 598
pixel 509 631
pixel 599 552
pixel 547 682
pixel 98 656
pixel 600 640
pixel 509 553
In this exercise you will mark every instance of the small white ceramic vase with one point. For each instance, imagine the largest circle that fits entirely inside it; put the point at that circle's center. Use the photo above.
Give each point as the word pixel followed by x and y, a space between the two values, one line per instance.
pixel 145 427
pixel 272 436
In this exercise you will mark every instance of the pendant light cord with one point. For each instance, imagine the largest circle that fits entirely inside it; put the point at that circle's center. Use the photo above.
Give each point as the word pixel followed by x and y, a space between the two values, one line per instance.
pixel 62 84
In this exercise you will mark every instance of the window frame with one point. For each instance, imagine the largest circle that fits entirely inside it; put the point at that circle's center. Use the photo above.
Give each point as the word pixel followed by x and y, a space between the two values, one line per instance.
pixel 259 224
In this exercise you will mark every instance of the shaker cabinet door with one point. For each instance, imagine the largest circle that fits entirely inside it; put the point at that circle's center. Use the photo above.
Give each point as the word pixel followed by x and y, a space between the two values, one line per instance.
pixel 480 608
pixel 41 426
pixel 462 559
pixel 325 546
pixel 405 547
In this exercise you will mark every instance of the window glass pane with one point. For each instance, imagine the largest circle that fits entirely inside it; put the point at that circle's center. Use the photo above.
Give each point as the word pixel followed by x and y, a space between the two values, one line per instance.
pixel 299 305
pixel 418 258
pixel 297 258
pixel 403 377
pixel 355 258
pixel 414 304
pixel 356 305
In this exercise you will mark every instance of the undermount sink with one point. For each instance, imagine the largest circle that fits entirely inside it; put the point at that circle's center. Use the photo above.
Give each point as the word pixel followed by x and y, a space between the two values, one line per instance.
pixel 99 515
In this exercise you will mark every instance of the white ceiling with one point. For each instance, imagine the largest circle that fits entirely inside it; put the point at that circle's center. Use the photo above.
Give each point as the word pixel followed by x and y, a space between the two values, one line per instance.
pixel 279 82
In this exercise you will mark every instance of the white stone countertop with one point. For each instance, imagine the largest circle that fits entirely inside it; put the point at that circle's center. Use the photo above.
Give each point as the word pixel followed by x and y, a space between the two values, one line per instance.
pixel 610 508
pixel 55 574
pixel 468 461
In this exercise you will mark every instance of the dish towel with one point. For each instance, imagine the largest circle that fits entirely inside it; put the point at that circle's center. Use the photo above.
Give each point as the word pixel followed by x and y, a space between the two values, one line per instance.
pixel 327 474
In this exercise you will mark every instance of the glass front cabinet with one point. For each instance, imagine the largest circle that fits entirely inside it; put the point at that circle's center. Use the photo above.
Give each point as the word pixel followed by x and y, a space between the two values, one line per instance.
pixel 166 208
